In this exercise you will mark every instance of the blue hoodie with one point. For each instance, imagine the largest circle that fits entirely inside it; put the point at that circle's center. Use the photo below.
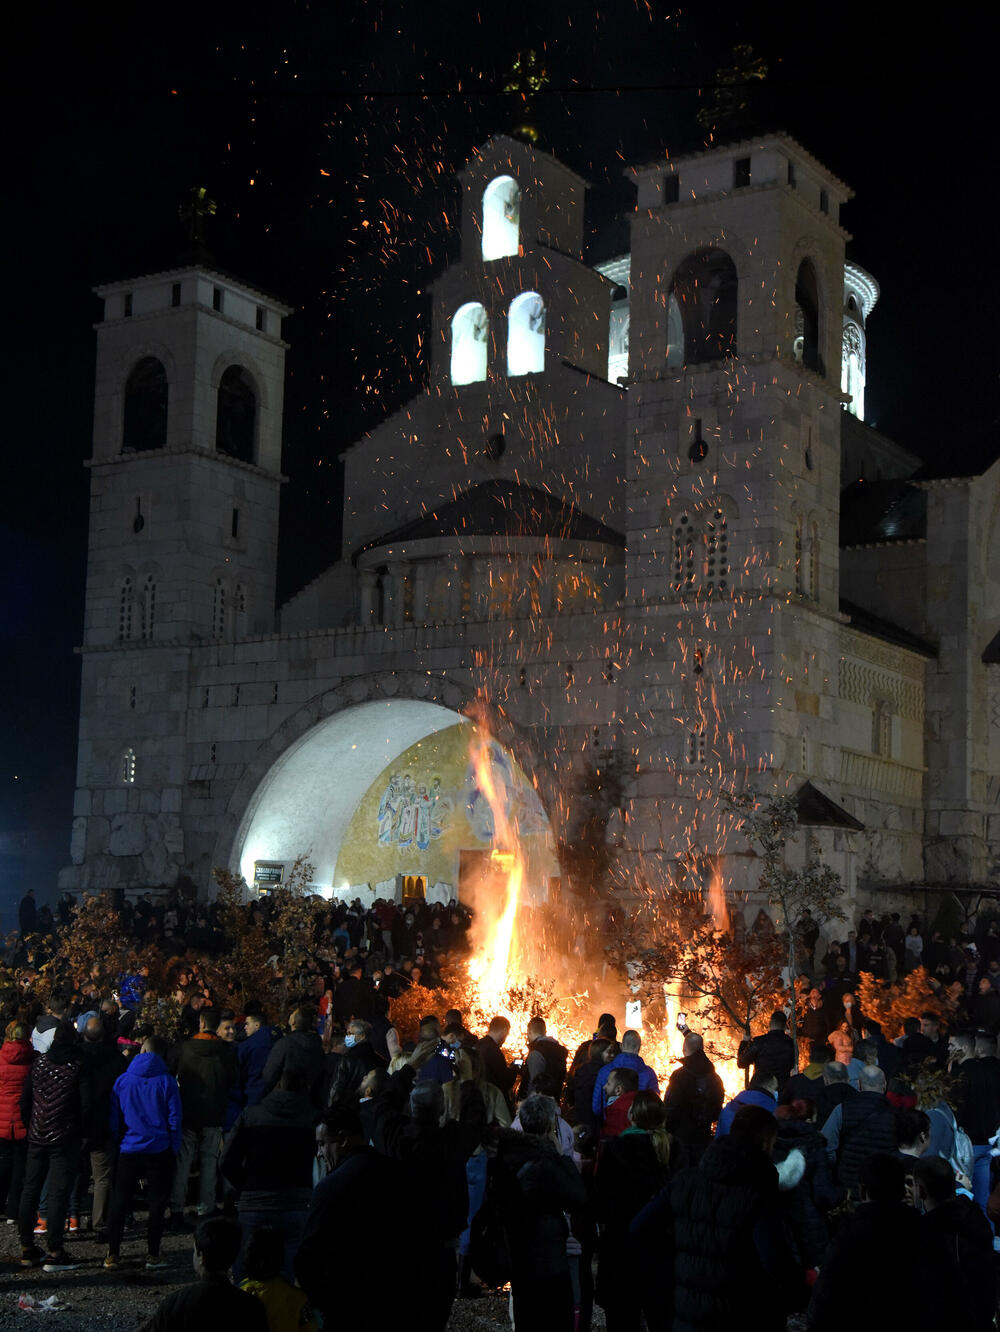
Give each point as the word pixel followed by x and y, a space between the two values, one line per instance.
pixel 647 1078
pixel 252 1055
pixel 146 1107
pixel 751 1096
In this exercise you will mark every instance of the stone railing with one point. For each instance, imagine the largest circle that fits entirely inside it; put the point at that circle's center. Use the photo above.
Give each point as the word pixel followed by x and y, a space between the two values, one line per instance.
pixel 869 772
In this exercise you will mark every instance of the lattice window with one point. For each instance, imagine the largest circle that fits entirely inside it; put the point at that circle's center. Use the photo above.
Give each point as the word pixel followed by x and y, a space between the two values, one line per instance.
pixel 148 606
pixel 686 541
pixel 694 754
pixel 219 610
pixel 813 588
pixel 240 609
pixel 882 728
pixel 125 609
pixel 126 769
pixel 717 552
pixel 799 567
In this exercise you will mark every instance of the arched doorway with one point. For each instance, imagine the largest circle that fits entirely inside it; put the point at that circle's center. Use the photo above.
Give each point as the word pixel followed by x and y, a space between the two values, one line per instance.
pixel 382 794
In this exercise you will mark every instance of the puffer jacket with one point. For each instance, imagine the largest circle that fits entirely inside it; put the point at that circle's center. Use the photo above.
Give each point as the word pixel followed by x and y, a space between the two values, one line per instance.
pixel 15 1068
pixel 57 1093
pixel 868 1126
pixel 536 1186
pixel 732 1264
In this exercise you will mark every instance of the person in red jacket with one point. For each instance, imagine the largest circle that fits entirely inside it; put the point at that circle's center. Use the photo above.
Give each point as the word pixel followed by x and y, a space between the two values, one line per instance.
pixel 16 1055
pixel 622 1088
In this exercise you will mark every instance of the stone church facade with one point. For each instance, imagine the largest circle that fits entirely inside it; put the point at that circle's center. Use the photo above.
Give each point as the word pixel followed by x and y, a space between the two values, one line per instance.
pixel 636 515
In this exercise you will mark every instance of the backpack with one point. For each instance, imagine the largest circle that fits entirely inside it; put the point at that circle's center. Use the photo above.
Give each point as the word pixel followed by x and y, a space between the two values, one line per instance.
pixel 961 1156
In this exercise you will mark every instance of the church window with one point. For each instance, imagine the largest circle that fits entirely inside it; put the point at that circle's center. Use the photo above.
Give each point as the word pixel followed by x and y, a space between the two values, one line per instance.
pixel 127 305
pixel 882 728
pixel 813 587
pixel 675 333
pixel 126 769
pixel 852 375
pixel 791 175
pixel 824 201
pixel 717 551
pixel 240 609
pixel 526 334
pixel 694 754
pixel 236 415
pixel 470 327
pixel 131 698
pixel 125 608
pixel 216 298
pixel 175 294
pixel 260 319
pixel 145 416
pixel 686 540
pixel 705 289
pixel 148 606
pixel 805 349
pixel 799 567
pixel 501 218
pixel 212 753
pixel 219 609
pixel 671 189
pixel 741 173
pixel 236 696
pixel 234 525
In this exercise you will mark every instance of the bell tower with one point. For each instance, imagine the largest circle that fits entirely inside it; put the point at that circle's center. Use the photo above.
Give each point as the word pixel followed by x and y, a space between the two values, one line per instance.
pixel 736 326
pixel 184 488
pixel 185 472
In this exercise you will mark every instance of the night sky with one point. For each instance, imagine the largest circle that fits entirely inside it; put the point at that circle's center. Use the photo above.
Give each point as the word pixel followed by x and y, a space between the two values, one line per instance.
pixel 328 134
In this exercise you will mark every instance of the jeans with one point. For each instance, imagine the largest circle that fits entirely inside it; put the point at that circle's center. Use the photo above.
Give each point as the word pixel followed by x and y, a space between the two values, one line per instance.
pixel 157 1168
pixel 981 1175
pixel 205 1143
pixel 13 1154
pixel 290 1223
pixel 58 1165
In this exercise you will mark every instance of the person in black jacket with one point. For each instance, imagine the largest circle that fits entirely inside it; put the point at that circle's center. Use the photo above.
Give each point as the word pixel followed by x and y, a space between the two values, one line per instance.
pixel 495 1066
pixel 977 1110
pixel 54 1101
pixel 965 1233
pixel 358 1059
pixel 631 1170
pixel 269 1163
pixel 302 1049
pixel 720 1227
pixel 694 1099
pixel 431 1156
pixel 536 1185
pixel 206 1068
pixel 859 1127
pixel 886 1263
pixel 212 1303
pixel 808 1191
pixel 580 1086
pixel 772 1053
pixel 102 1065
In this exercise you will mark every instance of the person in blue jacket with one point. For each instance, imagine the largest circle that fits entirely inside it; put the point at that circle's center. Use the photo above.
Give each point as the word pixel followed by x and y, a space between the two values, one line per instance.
pixel 252 1055
pixel 763 1091
pixel 146 1123
pixel 629 1058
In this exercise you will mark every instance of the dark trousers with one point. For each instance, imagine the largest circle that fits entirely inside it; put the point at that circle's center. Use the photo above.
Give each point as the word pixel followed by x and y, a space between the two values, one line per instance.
pixel 543 1304
pixel 59 1165
pixel 157 1168
pixel 13 1154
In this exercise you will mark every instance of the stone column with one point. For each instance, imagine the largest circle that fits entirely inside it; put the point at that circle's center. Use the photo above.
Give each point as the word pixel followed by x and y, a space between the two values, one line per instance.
pixel 368 599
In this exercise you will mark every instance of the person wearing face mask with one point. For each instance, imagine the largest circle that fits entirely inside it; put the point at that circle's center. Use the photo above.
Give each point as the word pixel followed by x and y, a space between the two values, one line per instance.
pixel 358 1059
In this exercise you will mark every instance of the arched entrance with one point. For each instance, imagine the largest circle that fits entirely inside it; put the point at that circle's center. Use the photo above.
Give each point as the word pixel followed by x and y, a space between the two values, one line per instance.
pixel 381 796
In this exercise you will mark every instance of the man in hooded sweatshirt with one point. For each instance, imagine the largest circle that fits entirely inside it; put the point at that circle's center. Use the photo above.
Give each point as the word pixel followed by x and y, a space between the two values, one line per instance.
pixel 146 1121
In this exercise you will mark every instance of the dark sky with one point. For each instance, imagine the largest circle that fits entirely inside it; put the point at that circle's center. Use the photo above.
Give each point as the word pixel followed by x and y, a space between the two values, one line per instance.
pixel 328 134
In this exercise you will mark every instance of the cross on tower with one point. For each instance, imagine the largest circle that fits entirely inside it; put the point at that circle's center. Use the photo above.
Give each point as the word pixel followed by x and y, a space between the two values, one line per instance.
pixel 194 213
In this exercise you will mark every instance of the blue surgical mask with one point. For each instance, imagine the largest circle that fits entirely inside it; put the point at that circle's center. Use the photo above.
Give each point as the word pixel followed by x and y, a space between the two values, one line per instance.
pixel 350 1040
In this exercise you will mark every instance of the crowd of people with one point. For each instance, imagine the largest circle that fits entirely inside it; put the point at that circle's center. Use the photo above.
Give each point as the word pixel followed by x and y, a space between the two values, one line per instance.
pixel 334 1168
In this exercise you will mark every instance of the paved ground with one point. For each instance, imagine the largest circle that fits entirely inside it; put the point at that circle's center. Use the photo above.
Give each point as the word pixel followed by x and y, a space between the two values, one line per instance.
pixel 121 1301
